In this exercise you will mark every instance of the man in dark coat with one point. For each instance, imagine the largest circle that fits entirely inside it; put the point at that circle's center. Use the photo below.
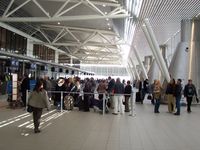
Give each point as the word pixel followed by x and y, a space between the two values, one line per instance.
pixel 24 87
pixel 178 94
pixel 189 92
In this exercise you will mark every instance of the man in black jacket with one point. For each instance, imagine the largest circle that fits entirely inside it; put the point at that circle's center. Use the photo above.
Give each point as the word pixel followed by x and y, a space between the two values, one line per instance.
pixel 178 94
pixel 127 92
pixel 24 87
pixel 189 92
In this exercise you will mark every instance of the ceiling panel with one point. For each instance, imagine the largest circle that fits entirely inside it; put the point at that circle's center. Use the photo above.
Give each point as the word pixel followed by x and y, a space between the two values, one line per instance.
pixel 165 17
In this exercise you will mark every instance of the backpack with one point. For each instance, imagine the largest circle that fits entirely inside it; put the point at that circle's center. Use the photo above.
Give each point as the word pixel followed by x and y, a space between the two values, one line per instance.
pixel 190 91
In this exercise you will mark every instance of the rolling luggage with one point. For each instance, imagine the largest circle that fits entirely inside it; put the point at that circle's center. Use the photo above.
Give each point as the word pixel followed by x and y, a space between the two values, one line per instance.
pixel 69 103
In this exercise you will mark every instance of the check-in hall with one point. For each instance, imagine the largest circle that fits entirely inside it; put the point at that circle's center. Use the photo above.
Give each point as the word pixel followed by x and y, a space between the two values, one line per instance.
pixel 99 74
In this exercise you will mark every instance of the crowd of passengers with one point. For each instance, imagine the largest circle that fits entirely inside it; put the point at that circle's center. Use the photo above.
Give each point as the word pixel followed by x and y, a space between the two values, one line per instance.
pixel 118 92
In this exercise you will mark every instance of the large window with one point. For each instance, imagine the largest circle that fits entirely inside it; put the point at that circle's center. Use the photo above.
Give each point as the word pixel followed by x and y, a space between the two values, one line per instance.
pixel 44 53
pixel 10 41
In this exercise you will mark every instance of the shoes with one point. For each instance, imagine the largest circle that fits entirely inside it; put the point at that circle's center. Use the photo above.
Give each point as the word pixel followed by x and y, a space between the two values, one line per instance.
pixel 189 111
pixel 115 113
pixel 127 111
pixel 156 112
pixel 37 131
pixel 86 110
pixel 177 114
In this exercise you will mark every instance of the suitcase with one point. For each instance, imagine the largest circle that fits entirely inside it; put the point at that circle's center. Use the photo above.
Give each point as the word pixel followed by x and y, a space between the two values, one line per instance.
pixel 69 103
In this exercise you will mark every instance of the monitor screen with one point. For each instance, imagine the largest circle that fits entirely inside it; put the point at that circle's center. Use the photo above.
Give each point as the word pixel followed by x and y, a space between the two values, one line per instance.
pixel 44 68
pixel 14 63
pixel 60 70
pixel 33 66
pixel 52 69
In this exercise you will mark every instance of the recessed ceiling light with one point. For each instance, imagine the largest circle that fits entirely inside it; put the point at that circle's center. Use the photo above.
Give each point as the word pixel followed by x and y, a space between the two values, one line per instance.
pixel 106 13
pixel 109 28
pixel 104 5
pixel 107 19
pixel 59 23
pixel 108 24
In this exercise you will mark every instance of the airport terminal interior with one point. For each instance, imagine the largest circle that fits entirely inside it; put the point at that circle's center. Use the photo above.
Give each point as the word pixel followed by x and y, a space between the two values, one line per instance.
pixel 99 74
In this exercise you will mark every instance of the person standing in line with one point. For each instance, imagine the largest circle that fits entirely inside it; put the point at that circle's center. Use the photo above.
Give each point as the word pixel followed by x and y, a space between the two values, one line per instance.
pixel 127 92
pixel 189 92
pixel 111 84
pixel 118 97
pixel 38 100
pixel 178 94
pixel 101 89
pixel 87 94
pixel 170 95
pixel 24 87
pixel 157 95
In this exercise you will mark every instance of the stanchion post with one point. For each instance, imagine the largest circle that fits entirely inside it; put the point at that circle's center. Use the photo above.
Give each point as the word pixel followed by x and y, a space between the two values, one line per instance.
pixel 61 102
pixel 132 109
pixel 104 104
pixel 26 99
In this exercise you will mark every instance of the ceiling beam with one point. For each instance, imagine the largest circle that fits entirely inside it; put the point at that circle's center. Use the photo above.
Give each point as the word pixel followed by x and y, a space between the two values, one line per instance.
pixel 112 3
pixel 79 29
pixel 107 45
pixel 59 19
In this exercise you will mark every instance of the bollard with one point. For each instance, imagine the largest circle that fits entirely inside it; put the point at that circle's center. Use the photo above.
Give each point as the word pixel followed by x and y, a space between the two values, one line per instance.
pixel 61 102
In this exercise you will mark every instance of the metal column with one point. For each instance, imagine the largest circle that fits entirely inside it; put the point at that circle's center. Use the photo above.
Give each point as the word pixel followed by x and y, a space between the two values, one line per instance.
pixel 140 62
pixel 157 50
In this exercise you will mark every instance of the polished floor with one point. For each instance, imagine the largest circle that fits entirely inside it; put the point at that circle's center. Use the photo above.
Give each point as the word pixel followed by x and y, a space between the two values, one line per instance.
pixel 92 131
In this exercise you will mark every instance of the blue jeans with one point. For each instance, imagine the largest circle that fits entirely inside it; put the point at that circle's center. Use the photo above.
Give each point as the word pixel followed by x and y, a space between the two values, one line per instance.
pixel 157 105
pixel 178 105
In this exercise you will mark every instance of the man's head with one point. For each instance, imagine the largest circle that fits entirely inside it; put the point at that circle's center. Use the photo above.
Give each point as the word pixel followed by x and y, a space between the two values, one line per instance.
pixel 190 81
pixel 179 81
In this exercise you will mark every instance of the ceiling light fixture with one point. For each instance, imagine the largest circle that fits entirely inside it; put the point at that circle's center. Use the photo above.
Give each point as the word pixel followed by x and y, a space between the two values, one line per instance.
pixel 106 13
pixel 108 24
pixel 104 5
pixel 107 19
pixel 58 23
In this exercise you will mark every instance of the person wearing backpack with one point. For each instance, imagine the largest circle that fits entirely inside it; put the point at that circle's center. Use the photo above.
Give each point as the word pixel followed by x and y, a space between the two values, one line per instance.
pixel 189 92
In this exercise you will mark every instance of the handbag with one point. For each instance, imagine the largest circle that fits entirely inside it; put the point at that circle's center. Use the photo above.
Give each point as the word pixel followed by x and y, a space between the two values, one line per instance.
pixel 29 109
pixel 149 97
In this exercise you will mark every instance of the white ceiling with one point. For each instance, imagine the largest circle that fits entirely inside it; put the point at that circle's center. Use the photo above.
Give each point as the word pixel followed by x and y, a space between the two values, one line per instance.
pixel 82 24
pixel 85 28
pixel 165 17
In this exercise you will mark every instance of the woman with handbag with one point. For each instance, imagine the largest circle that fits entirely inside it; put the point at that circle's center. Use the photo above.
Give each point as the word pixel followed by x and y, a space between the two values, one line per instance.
pixel 38 100
pixel 157 95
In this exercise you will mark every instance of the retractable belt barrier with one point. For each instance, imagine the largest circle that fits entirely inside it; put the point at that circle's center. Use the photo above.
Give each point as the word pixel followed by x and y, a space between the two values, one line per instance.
pixel 132 112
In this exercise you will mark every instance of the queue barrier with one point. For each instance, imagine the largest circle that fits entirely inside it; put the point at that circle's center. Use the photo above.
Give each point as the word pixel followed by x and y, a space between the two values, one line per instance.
pixel 132 112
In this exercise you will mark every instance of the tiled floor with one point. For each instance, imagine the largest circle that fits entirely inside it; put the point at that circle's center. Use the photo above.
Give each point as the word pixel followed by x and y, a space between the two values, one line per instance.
pixel 91 131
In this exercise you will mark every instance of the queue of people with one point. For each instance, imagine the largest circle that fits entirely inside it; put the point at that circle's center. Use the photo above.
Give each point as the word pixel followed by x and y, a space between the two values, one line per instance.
pixel 118 92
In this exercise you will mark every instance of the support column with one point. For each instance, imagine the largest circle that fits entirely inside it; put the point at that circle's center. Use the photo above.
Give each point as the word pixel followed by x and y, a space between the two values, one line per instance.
pixel 141 64
pixel 180 62
pixel 29 48
pixel 147 63
pixel 71 61
pixel 154 72
pixel 152 47
pixel 164 53
pixel 194 53
pixel 56 56
pixel 131 71
pixel 157 51
pixel 135 70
